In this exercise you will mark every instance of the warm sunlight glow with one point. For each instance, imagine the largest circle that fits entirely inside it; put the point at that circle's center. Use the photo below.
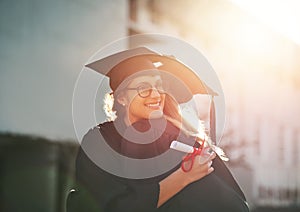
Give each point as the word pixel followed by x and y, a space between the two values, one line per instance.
pixel 282 16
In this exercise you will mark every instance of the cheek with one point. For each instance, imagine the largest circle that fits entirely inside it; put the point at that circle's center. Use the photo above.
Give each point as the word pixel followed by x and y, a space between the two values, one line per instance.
pixel 134 101
pixel 136 106
pixel 137 111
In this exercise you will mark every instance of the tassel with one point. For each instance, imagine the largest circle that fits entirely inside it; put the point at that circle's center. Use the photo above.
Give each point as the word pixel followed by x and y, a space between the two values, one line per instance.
pixel 212 117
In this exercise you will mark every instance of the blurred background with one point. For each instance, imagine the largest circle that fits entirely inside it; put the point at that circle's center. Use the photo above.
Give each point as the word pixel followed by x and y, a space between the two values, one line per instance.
pixel 254 47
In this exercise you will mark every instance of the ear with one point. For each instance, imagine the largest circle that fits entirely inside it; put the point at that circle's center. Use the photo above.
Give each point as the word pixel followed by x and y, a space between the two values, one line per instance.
pixel 122 99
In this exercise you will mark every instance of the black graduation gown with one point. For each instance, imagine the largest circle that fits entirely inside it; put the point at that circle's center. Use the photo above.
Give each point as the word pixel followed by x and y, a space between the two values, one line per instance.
pixel 98 190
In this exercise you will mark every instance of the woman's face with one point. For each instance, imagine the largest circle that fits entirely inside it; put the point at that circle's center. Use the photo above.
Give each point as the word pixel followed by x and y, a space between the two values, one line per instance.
pixel 142 102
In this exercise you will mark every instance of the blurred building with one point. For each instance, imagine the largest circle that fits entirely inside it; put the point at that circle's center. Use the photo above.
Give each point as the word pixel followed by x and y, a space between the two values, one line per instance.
pixel 259 71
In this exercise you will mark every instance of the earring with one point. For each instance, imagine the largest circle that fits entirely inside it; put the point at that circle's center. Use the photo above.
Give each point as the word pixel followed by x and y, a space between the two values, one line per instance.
pixel 123 104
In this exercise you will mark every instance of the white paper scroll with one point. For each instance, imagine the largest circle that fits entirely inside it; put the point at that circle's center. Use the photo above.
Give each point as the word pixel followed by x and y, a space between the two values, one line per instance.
pixel 176 145
pixel 181 147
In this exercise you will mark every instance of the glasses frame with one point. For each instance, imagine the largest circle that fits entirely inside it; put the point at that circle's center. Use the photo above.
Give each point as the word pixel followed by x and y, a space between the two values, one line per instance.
pixel 149 90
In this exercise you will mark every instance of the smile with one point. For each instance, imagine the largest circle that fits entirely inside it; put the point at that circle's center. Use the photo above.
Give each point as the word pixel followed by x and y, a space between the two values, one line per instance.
pixel 153 105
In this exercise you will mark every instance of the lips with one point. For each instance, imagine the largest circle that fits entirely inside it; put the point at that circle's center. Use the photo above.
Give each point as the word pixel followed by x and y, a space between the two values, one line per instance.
pixel 153 105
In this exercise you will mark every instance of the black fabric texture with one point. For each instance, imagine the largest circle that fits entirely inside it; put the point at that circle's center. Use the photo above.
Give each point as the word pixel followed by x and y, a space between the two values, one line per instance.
pixel 98 190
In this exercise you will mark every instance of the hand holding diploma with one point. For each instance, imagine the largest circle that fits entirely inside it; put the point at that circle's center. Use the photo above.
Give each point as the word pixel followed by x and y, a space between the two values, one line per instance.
pixel 203 155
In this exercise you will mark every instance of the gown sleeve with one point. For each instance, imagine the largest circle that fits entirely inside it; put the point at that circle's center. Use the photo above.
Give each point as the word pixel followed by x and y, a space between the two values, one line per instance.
pixel 98 190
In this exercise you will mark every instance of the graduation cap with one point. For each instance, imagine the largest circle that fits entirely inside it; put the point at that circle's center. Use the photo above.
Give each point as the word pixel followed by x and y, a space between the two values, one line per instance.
pixel 182 81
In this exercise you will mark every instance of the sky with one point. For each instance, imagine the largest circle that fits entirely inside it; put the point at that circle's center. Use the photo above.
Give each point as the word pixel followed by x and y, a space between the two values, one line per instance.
pixel 44 46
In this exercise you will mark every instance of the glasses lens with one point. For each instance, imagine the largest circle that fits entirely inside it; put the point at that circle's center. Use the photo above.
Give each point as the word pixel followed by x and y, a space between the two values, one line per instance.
pixel 145 90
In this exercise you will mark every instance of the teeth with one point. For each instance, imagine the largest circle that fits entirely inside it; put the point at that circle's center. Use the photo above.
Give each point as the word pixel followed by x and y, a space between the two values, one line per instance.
pixel 153 105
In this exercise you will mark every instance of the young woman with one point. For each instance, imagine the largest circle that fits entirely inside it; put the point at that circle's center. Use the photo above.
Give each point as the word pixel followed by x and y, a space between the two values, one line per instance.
pixel 126 164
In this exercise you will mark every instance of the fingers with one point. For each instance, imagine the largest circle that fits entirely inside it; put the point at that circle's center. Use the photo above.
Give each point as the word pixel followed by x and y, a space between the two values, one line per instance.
pixel 210 170
pixel 212 156
pixel 203 164
pixel 206 158
pixel 199 170
pixel 208 163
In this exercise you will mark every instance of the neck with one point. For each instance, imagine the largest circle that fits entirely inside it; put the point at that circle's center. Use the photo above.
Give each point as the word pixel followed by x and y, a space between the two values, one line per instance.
pixel 127 121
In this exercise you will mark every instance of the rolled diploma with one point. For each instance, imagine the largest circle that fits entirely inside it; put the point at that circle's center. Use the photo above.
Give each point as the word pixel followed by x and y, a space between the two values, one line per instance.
pixel 181 147
pixel 188 149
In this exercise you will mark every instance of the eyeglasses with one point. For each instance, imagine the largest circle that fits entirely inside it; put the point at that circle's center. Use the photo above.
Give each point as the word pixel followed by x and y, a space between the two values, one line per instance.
pixel 146 89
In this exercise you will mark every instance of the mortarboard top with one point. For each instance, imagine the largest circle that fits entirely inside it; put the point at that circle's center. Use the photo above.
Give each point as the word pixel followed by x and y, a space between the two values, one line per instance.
pixel 183 82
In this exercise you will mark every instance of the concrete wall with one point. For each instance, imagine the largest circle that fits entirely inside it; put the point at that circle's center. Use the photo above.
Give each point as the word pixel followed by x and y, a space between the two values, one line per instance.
pixel 43 47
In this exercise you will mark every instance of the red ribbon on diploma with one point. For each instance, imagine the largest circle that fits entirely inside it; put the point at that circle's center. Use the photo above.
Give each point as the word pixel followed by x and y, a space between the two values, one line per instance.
pixel 189 159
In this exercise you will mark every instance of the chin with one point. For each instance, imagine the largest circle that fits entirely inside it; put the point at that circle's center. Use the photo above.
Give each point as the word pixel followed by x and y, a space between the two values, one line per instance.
pixel 156 114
